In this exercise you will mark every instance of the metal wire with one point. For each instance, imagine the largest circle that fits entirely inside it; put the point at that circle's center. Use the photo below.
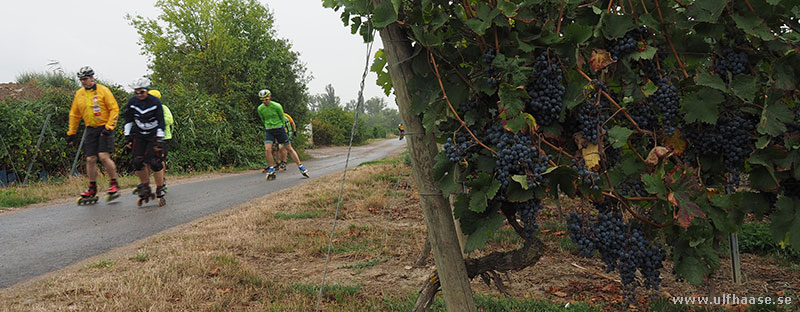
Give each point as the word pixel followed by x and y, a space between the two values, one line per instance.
pixel 359 103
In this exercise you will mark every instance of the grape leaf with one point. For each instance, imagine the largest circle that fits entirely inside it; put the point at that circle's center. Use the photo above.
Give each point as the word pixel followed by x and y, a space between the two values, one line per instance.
pixel 687 209
pixel 478 202
pixel 786 221
pixel 707 10
pixel 754 25
pixel 745 87
pixel 702 105
pixel 562 178
pixel 615 26
pixel 577 33
pixel 521 179
pixel 704 78
pixel 654 185
pixel 619 136
pixel 477 239
pixel 773 118
pixel 691 268
pixel 647 54
pixel 784 74
pixel 384 14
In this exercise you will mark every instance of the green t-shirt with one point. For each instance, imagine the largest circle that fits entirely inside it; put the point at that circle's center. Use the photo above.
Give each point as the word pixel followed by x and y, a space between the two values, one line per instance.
pixel 271 115
pixel 168 121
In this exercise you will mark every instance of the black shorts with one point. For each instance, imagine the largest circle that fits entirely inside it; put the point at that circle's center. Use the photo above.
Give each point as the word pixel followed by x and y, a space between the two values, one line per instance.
pixel 95 143
pixel 143 147
pixel 276 135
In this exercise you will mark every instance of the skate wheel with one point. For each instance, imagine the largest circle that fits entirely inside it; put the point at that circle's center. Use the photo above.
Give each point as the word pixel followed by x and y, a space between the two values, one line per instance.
pixel 162 202
pixel 139 202
pixel 80 201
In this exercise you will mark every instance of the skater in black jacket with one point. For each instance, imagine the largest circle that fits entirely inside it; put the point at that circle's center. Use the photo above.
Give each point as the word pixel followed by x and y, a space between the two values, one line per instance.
pixel 144 132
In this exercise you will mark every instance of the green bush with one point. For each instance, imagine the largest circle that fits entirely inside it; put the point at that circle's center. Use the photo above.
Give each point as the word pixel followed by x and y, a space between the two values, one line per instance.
pixel 756 238
pixel 332 126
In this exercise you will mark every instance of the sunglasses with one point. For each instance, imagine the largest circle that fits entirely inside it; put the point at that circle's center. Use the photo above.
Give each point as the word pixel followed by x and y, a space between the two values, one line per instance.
pixel 140 92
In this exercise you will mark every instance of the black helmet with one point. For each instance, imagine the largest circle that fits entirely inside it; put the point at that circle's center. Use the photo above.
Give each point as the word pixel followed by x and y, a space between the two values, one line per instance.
pixel 85 71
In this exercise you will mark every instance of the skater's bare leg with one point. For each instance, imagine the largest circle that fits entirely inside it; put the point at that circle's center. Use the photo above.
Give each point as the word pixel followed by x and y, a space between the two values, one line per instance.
pixel 284 152
pixel 111 169
pixel 144 176
pixel 159 177
pixel 91 168
pixel 291 151
pixel 270 159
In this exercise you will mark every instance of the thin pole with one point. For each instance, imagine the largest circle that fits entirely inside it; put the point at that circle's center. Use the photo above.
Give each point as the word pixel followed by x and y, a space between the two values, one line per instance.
pixel 73 172
pixel 36 152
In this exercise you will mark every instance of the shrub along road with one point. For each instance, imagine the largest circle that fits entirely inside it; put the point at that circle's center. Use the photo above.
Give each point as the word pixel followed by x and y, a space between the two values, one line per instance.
pixel 40 240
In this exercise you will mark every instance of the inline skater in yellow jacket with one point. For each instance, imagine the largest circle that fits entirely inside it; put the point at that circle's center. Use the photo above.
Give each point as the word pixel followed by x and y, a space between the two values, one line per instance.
pixel 95 104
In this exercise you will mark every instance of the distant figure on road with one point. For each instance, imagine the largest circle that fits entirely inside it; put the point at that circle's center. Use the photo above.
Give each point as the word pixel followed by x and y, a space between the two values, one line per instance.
pixel 272 115
pixel 144 134
pixel 95 104
pixel 402 130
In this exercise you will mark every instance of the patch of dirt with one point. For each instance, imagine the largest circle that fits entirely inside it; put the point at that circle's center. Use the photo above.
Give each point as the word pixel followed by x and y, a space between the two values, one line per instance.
pixel 19 91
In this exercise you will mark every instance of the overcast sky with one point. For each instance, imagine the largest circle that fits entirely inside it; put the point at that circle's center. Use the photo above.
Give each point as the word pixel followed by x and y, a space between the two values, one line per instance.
pixel 96 33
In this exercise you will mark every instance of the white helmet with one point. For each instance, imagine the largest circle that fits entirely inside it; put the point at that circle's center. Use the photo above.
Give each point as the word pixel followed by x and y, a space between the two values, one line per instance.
pixel 85 71
pixel 264 94
pixel 141 83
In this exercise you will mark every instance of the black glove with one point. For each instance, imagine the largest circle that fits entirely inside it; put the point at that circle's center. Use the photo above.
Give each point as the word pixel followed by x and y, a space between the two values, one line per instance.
pixel 106 132
pixel 71 139
pixel 128 143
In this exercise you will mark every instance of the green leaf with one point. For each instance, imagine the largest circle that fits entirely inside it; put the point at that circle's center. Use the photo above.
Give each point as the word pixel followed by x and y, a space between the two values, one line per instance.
pixel 745 87
pixel 478 238
pixel 493 188
pixel 511 98
pixel 562 178
pixel 688 209
pixel 786 221
pixel 384 14
pixel 521 179
pixel 704 78
pixel 753 25
pixel 707 10
pixel 721 220
pixel 701 105
pixel 762 142
pixel 655 185
pixel 763 178
pixel 515 193
pixel 619 136
pixel 483 20
pixel 615 26
pixel 478 202
pixel 577 33
pixel 754 202
pixel 647 54
pixel 508 8
pixel 691 268
pixel 773 118
pixel 784 74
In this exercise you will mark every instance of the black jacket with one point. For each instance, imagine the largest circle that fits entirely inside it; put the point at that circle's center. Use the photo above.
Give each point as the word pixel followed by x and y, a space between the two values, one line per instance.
pixel 144 117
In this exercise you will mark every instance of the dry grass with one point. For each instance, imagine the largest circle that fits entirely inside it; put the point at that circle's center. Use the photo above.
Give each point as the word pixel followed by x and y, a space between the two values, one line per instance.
pixel 246 258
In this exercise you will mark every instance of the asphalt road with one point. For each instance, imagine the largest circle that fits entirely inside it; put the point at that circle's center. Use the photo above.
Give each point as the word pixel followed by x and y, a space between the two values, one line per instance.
pixel 36 241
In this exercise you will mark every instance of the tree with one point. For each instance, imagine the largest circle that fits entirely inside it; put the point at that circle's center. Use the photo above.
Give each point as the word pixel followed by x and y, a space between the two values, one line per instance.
pixel 227 48
pixel 326 100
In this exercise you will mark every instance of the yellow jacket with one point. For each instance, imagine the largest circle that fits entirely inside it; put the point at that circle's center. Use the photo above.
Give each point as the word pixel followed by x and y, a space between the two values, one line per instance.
pixel 97 107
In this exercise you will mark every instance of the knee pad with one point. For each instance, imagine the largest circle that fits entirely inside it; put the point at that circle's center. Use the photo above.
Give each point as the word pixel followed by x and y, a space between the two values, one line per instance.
pixel 155 163
pixel 137 162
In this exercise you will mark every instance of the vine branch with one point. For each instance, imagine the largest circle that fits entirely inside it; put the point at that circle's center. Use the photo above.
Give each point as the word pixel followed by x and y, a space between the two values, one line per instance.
pixel 444 93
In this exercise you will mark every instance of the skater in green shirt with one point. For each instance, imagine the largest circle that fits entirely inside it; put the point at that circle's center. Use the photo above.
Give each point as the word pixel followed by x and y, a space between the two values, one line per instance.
pixel 272 115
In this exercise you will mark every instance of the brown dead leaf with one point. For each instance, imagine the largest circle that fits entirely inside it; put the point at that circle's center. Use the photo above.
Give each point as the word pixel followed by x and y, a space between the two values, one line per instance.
pixel 545 231
pixel 677 144
pixel 560 294
pixel 214 272
pixel 710 191
pixel 559 233
pixel 600 59
pixel 176 299
pixel 656 154
pixel 223 291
